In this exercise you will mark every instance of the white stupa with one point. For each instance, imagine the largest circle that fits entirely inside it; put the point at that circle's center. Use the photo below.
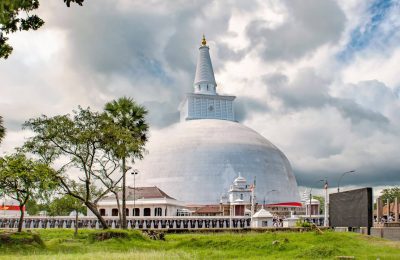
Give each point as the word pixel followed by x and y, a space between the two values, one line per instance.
pixel 196 159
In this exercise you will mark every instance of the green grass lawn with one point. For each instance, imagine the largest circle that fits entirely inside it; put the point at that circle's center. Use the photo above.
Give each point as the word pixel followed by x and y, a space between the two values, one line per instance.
pixel 61 244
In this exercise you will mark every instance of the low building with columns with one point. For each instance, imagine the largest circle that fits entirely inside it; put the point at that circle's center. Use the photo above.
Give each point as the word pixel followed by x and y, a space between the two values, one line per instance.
pixel 141 202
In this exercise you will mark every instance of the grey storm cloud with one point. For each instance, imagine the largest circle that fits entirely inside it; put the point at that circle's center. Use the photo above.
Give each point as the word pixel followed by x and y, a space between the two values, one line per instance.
pixel 309 90
pixel 160 120
pixel 373 175
pixel 350 109
pixel 310 24
pixel 247 106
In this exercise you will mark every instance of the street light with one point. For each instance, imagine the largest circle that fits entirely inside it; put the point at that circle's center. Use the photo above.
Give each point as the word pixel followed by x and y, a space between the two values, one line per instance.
pixel 338 185
pixel 134 173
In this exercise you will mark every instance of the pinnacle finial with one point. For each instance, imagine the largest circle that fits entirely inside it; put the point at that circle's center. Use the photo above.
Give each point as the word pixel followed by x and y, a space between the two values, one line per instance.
pixel 204 42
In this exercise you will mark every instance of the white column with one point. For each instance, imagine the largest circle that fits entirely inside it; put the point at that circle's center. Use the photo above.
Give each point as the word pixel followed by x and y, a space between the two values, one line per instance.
pixel 388 209
pixel 379 212
pixel 326 217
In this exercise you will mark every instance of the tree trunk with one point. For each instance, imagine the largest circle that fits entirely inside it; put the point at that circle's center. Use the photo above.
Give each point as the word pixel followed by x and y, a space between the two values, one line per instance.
pixel 123 224
pixel 21 217
pixel 93 209
pixel 118 206
pixel 76 223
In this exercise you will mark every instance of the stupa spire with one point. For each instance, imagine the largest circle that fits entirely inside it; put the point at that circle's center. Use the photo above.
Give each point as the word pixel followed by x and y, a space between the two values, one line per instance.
pixel 205 103
pixel 204 81
pixel 204 42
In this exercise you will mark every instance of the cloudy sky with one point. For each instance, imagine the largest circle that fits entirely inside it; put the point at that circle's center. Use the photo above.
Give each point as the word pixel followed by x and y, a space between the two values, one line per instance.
pixel 317 78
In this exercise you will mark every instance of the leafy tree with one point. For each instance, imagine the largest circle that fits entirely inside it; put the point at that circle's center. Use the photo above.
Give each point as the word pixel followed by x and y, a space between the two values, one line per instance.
pixel 78 143
pixel 64 205
pixel 2 129
pixel 32 207
pixel 390 194
pixel 321 203
pixel 16 15
pixel 23 179
pixel 129 137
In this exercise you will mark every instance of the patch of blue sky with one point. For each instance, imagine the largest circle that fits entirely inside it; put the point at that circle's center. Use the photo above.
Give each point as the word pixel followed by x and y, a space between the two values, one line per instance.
pixel 153 68
pixel 363 35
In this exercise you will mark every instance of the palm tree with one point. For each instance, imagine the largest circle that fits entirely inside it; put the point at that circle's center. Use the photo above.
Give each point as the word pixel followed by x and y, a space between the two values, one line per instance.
pixel 129 117
pixel 2 129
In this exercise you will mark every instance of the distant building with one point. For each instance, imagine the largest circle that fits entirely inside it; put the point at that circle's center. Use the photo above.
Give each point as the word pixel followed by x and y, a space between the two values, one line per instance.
pixel 143 202
pixel 153 202
pixel 9 207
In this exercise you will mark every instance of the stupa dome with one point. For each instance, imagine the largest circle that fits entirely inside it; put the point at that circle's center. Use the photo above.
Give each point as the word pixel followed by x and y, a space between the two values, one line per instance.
pixel 196 160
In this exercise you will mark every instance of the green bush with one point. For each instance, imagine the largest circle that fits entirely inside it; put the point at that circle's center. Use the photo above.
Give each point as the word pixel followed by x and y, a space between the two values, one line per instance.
pixel 121 234
pixel 302 223
pixel 20 239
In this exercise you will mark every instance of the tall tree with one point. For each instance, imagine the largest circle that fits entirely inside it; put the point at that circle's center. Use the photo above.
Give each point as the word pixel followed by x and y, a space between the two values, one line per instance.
pixel 390 194
pixel 23 179
pixel 78 144
pixel 131 136
pixel 2 129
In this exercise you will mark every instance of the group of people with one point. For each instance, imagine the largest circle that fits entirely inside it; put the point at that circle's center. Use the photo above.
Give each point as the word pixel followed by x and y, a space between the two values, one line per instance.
pixel 384 219
pixel 277 221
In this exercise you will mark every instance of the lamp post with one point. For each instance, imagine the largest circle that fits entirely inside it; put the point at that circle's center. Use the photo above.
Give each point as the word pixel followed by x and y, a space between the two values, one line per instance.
pixel 326 221
pixel 134 173
pixel 309 205
pixel 343 174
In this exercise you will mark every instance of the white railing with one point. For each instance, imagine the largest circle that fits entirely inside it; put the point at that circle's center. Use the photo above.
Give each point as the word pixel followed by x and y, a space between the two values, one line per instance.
pixel 164 222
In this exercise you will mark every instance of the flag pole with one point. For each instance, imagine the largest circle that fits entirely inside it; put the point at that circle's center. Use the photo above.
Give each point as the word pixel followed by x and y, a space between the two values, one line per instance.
pixel 252 199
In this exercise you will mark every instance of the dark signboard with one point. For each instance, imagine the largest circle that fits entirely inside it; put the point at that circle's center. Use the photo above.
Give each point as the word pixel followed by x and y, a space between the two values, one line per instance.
pixel 351 208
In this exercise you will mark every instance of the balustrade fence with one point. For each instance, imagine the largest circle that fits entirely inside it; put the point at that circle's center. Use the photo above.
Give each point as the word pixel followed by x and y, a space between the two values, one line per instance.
pixel 143 223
